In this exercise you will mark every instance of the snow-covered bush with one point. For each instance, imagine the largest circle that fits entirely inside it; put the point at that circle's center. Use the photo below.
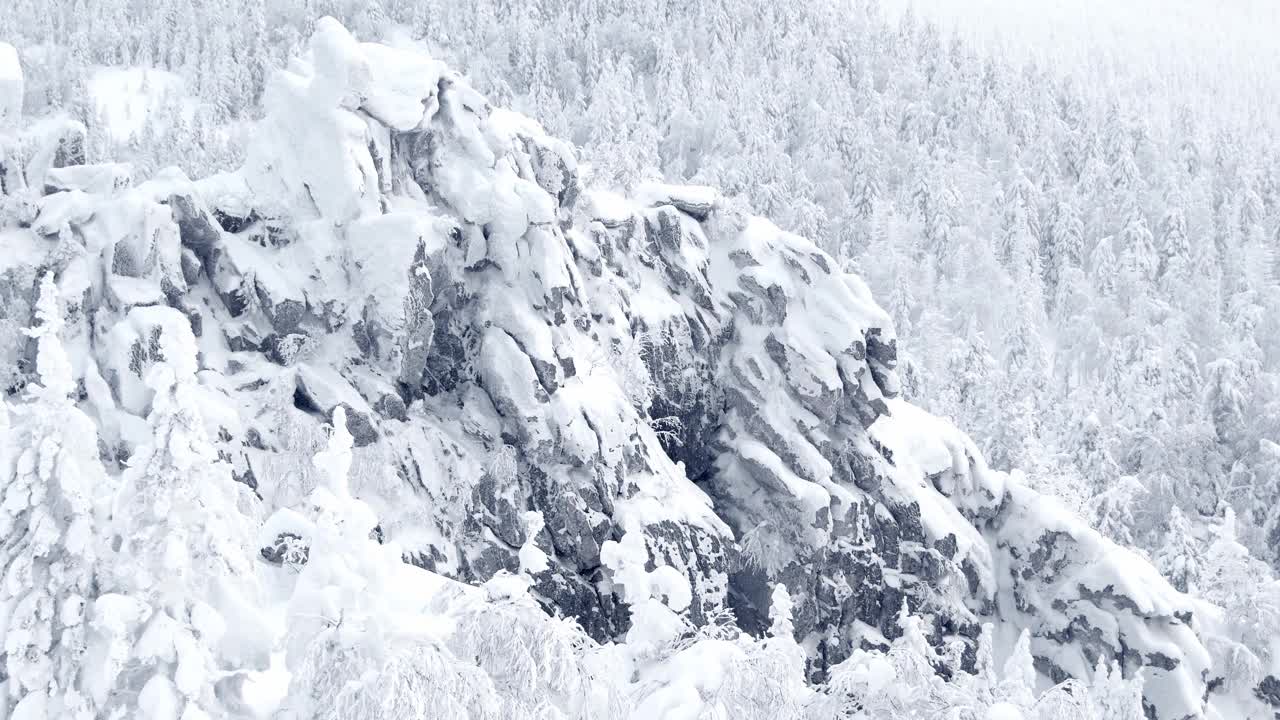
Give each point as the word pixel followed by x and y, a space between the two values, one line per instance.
pixel 903 684
pixel 338 679
pixel 540 666
pixel 502 464
pixel 656 597
pixel 765 679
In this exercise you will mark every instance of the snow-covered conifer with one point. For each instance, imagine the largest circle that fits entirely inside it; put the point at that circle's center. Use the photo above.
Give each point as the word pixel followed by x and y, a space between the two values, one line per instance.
pixel 1112 695
pixel 181 595
pixel 356 650
pixel 780 605
pixel 50 477
pixel 1018 682
pixel 1180 559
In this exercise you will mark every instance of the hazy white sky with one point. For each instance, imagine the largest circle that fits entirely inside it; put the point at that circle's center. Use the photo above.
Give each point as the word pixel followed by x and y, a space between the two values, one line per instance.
pixel 1203 27
pixel 1226 52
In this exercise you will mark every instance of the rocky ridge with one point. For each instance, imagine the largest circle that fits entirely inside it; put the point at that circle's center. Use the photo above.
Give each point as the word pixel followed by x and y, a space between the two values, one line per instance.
pixel 505 339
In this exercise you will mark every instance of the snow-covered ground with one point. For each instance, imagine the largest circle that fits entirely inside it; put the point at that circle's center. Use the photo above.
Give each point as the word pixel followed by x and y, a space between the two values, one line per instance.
pixel 131 100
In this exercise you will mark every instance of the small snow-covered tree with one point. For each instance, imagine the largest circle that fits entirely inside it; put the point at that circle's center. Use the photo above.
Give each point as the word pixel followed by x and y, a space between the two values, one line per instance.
pixel 761 678
pixel 858 686
pixel 1064 248
pixel 540 666
pixel 780 605
pixel 969 369
pixel 533 559
pixel 1113 696
pixel 628 360
pixel 912 656
pixel 1068 700
pixel 1227 562
pixel 503 465
pixel 50 475
pixel 1180 559
pixel 902 683
pixel 656 597
pixel 984 680
pixel 1018 684
pixel 1106 268
pixel 1224 400
pixel 179 608
pixel 1114 508
pixel 1250 598
pixel 356 654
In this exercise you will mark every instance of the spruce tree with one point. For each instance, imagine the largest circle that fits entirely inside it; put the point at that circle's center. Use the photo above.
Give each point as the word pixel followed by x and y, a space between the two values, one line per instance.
pixel 1180 559
pixel 180 607
pixel 51 476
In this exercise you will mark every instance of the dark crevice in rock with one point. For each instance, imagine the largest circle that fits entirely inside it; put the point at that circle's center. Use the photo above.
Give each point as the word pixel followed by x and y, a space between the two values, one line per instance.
pixel 303 402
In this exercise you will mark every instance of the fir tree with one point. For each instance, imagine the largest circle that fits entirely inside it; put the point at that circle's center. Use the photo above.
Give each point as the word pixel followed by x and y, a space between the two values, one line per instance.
pixel 182 585
pixel 1180 559
pixel 357 654
pixel 51 477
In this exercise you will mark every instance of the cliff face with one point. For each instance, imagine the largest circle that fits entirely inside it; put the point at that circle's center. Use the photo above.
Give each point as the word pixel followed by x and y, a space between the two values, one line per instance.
pixel 505 339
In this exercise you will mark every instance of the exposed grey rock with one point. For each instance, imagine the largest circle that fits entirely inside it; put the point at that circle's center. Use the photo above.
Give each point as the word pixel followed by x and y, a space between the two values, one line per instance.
pixel 287 546
pixel 419 332
pixel 493 558
pixel 576 596
pixel 194 317
pixel 363 432
pixel 125 261
pixel 1162 661
pixel 703 557
pixel 947 546
pixel 284 349
pixel 575 538
pixel 555 170
pixel 284 313
pixel 453 344
pixel 191 266
pixel 499 514
pixel 1268 691
pixel 235 222
pixel 696 202
pixel 241 338
pixel 882 358
pixel 392 407
pixel 322 391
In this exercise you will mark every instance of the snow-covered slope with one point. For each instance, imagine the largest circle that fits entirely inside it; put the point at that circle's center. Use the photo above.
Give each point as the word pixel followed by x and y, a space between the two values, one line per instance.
pixel 505 340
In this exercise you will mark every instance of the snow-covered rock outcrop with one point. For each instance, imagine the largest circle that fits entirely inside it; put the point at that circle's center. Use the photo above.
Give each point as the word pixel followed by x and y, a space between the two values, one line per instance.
pixel 504 340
